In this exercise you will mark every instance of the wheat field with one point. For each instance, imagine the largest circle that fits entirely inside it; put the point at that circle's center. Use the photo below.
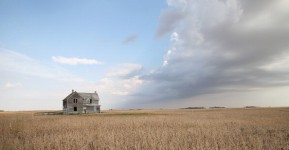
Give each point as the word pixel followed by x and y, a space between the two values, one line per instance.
pixel 259 128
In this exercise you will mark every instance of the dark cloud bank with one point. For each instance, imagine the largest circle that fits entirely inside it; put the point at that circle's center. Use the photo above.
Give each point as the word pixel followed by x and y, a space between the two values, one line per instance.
pixel 219 46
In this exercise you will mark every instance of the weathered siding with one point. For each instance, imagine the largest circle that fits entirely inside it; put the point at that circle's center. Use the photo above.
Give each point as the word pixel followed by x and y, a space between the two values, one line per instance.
pixel 71 104
pixel 86 103
pixel 90 109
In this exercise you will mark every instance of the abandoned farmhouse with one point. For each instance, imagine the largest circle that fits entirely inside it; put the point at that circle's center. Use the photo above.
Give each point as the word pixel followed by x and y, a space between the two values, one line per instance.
pixel 76 103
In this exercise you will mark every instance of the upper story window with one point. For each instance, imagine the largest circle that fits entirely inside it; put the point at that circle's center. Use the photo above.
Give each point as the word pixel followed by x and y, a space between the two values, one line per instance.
pixel 90 101
pixel 75 100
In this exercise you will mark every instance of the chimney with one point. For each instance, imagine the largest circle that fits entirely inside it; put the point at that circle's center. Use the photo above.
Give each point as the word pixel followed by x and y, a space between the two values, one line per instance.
pixel 72 90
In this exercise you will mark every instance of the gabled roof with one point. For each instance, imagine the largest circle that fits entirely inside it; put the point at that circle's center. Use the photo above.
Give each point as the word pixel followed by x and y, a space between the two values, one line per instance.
pixel 89 95
pixel 68 96
pixel 83 95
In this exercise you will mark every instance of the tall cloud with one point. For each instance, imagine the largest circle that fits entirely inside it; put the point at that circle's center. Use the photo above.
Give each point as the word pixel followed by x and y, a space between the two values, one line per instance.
pixel 220 45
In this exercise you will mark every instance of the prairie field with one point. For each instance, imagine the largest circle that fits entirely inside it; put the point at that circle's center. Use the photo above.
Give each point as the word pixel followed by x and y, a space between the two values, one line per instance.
pixel 258 128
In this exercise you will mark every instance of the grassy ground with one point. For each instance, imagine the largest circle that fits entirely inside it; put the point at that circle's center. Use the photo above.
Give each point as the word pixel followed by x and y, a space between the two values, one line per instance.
pixel 258 128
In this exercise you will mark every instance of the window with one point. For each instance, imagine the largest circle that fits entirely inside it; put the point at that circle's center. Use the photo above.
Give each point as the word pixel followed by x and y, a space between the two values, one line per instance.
pixel 64 104
pixel 90 101
pixel 75 100
pixel 75 108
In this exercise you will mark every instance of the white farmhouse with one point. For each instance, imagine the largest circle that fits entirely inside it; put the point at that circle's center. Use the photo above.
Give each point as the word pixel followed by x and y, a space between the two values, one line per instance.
pixel 76 103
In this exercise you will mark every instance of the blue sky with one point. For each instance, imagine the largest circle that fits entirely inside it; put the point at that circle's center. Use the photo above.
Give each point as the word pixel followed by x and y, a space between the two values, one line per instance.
pixel 144 54
pixel 91 28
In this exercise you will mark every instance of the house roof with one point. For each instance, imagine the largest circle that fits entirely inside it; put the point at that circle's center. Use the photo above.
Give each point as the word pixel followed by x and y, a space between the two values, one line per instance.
pixel 84 95
pixel 68 96
pixel 88 95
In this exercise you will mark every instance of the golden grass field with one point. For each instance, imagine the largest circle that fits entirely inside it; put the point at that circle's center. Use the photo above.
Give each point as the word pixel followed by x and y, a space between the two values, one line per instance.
pixel 258 128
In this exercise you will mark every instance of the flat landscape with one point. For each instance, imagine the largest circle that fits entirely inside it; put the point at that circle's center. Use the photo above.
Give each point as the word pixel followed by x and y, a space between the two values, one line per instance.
pixel 239 128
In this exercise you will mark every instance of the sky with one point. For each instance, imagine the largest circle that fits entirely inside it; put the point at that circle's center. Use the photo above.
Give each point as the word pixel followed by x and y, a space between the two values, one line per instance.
pixel 148 54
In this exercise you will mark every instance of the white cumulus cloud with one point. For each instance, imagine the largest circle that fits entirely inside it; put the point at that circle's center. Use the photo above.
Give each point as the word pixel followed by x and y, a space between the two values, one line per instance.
pixel 18 63
pixel 124 70
pixel 74 60
pixel 121 79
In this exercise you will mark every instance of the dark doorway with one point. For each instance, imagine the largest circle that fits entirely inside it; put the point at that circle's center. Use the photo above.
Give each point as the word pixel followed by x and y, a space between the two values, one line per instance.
pixel 75 108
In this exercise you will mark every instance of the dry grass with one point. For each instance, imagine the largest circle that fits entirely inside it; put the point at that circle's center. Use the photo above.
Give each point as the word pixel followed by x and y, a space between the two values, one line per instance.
pixel 262 128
